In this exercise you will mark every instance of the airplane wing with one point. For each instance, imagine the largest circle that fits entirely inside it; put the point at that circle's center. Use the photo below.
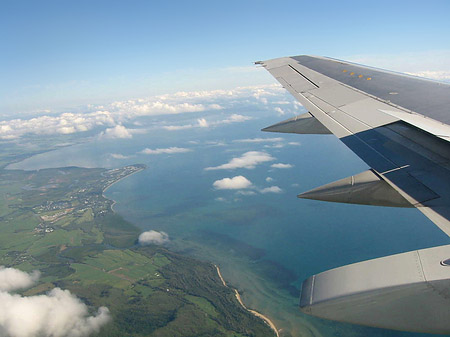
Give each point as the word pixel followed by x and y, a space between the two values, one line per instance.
pixel 399 125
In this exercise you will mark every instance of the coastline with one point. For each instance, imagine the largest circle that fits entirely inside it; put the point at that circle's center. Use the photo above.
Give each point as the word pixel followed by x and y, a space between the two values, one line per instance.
pixel 106 188
pixel 254 312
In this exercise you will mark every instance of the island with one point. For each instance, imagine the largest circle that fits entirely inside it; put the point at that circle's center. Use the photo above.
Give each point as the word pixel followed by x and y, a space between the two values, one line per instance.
pixel 59 222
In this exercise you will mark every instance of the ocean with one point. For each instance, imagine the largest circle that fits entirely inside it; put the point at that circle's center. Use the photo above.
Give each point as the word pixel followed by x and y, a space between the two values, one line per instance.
pixel 266 241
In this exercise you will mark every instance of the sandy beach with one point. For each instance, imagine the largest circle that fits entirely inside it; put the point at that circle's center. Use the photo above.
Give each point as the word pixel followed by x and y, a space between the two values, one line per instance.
pixel 254 312
pixel 106 188
pixel 128 175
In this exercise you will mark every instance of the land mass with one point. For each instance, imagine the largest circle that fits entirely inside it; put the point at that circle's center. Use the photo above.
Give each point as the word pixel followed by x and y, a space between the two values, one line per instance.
pixel 57 221
pixel 254 312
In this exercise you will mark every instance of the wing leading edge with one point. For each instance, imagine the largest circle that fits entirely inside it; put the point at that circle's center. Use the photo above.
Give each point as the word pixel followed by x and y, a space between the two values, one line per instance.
pixel 399 125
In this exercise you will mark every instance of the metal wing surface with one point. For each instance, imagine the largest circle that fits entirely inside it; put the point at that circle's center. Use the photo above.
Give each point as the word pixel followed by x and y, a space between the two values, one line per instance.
pixel 399 125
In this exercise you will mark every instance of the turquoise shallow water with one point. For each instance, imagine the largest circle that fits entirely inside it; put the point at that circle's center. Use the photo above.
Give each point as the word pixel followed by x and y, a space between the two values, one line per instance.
pixel 265 244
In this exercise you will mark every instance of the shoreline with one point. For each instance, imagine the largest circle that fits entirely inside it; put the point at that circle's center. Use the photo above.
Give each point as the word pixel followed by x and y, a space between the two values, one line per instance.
pixel 254 312
pixel 106 188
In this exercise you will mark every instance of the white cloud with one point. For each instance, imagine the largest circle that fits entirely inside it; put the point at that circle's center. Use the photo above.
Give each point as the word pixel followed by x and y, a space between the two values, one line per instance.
pixel 13 279
pixel 274 142
pixel 65 123
pixel 256 92
pixel 283 102
pixel 269 179
pixel 259 140
pixel 294 143
pixel 215 143
pixel 281 166
pixel 153 237
pixel 271 189
pixel 235 183
pixel 275 146
pixel 119 131
pixel 67 130
pixel 55 314
pixel 178 127
pixel 436 75
pixel 246 192
pixel 159 105
pixel 262 93
pixel 263 100
pixel 215 107
pixel 124 112
pixel 169 150
pixel 248 160
pixel 280 111
pixel 119 156
pixel 234 118
pixel 202 123
pixel 220 199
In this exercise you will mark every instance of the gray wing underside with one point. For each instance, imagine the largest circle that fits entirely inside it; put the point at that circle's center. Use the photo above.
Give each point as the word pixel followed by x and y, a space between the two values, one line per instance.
pixel 397 124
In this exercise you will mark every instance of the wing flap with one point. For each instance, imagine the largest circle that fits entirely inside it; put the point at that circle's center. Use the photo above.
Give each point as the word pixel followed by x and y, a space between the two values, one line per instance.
pixel 407 291
pixel 436 128
pixel 337 95
pixel 366 188
pixel 366 110
pixel 290 76
pixel 301 124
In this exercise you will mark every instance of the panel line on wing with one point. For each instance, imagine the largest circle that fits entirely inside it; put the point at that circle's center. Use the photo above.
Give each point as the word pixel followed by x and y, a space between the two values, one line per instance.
pixel 306 78
pixel 323 118
pixel 395 169
pixel 384 101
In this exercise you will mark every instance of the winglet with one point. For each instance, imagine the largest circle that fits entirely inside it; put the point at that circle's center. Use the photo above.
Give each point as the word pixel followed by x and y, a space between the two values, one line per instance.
pixel 305 124
pixel 366 188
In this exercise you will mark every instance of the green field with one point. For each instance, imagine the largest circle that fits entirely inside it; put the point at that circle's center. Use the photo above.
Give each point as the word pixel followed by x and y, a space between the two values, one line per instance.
pixel 68 232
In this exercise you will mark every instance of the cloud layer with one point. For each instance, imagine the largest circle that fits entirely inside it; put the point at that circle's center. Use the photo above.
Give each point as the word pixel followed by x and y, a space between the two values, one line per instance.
pixel 203 123
pixel 169 150
pixel 437 75
pixel 259 140
pixel 153 237
pixel 248 160
pixel 55 314
pixel 65 123
pixel 111 119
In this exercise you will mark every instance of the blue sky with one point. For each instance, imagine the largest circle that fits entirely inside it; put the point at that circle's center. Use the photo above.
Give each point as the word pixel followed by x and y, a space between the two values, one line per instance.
pixel 60 54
